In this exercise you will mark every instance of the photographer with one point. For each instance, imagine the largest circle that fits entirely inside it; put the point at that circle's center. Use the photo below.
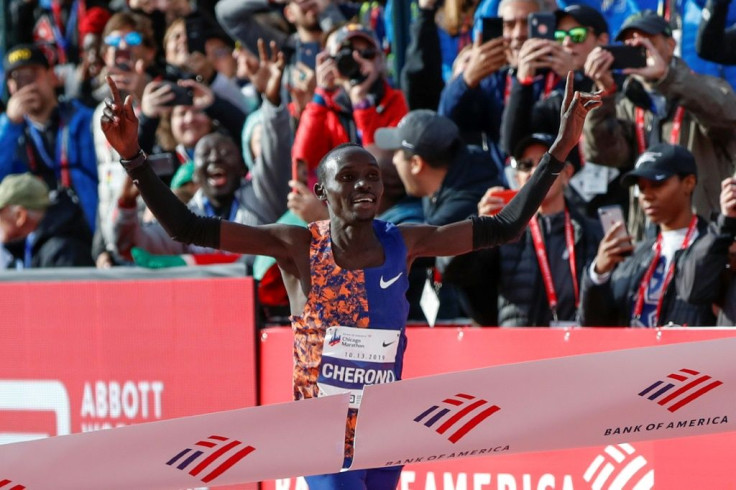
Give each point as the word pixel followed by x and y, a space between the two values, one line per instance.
pixel 352 99
pixel 665 101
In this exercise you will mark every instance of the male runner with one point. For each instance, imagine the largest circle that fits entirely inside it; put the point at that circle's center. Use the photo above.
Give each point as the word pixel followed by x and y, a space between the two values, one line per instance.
pixel 346 276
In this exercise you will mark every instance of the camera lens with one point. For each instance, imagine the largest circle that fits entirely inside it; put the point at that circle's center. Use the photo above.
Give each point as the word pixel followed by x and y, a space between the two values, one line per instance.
pixel 346 64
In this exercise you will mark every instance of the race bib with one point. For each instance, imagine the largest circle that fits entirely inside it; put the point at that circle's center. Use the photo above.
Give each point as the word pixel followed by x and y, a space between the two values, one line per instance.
pixel 355 357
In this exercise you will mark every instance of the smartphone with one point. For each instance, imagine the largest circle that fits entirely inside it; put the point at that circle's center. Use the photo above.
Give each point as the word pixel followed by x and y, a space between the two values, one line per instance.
pixel 307 53
pixel 162 164
pixel 542 25
pixel 491 28
pixel 195 35
pixel 182 95
pixel 627 56
pixel 609 216
pixel 506 195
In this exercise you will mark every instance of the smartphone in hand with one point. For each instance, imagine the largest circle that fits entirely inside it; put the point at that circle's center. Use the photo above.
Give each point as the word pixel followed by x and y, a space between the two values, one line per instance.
pixel 182 95
pixel 491 28
pixel 609 216
pixel 625 56
pixel 542 25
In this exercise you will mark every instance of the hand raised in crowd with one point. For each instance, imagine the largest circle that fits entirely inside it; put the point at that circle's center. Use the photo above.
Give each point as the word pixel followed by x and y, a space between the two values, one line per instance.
pixel 728 197
pixel 131 79
pixel 26 100
pixel 326 71
pixel 119 123
pixel 598 68
pixel 485 59
pixel 613 249
pixel 536 54
pixel 656 68
pixel 371 69
pixel 427 4
pixel 156 97
pixel 574 110
pixel 491 203
pixel 267 77
pixel 303 203
pixel 301 88
pixel 201 66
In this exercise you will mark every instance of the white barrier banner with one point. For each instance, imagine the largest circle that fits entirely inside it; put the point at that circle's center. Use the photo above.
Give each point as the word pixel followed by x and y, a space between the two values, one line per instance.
pixel 238 446
pixel 613 397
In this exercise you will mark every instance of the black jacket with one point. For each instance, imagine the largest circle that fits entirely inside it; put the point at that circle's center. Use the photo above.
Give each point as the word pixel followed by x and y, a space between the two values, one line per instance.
pixel 421 76
pixel 689 297
pixel 504 286
pixel 715 42
pixel 62 238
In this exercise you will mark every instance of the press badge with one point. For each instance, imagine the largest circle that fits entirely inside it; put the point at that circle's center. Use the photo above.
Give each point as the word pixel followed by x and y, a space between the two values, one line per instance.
pixel 355 357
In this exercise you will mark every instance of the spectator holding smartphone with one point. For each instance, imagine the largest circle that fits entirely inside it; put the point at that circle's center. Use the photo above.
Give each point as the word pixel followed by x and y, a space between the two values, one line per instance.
pixel 672 277
pixel 533 281
pixel 664 101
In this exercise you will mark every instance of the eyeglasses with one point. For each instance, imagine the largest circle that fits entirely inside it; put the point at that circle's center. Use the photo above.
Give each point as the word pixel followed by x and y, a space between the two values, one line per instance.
pixel 132 38
pixel 577 35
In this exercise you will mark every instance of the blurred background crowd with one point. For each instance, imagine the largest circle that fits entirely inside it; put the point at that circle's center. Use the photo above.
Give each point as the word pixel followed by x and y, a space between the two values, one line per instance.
pixel 239 100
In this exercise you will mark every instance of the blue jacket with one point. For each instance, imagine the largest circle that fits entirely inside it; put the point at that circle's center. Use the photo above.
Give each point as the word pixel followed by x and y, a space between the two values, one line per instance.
pixel 81 153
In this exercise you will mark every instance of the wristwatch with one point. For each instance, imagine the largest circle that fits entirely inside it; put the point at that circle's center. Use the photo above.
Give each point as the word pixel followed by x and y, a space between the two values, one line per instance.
pixel 135 162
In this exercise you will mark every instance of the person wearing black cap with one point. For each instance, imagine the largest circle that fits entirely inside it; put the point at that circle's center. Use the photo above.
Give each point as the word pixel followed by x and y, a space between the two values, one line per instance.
pixel 48 137
pixel 715 41
pixel 580 29
pixel 662 102
pixel 535 278
pixel 434 163
pixel 672 277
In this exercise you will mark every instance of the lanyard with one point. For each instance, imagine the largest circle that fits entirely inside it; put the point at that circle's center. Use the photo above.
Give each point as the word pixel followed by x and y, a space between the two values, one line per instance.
pixel 550 80
pixel 211 211
pixel 63 174
pixel 674 135
pixel 28 250
pixel 639 306
pixel 544 262
pixel 182 154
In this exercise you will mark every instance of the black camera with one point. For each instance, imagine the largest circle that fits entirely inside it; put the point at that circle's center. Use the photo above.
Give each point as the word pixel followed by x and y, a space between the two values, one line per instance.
pixel 347 66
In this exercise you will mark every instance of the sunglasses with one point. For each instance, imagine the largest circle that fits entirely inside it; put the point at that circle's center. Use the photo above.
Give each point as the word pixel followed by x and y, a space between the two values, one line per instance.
pixel 132 38
pixel 524 165
pixel 577 35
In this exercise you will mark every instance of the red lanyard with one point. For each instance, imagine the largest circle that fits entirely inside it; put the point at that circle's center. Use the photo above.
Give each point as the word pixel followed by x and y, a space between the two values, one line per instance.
pixel 181 154
pixel 674 135
pixel 544 262
pixel 550 81
pixel 639 306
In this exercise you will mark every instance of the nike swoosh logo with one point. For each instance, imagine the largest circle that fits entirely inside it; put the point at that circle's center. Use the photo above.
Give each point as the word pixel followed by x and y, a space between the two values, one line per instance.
pixel 386 344
pixel 385 284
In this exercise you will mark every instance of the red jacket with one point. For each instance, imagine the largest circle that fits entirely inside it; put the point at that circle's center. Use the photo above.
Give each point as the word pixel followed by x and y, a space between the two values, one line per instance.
pixel 320 128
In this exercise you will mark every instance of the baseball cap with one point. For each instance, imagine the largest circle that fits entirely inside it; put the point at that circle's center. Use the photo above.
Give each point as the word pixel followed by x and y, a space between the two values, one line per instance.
pixel 585 16
pixel 543 139
pixel 660 162
pixel 423 132
pixel 646 21
pixel 351 31
pixel 24 55
pixel 24 190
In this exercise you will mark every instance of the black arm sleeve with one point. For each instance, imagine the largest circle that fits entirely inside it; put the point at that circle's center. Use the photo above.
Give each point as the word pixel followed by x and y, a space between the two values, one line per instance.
pixel 179 222
pixel 489 231
pixel 421 77
pixel 715 42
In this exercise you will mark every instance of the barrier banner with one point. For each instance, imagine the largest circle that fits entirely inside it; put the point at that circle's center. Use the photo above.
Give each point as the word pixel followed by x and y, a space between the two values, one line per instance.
pixel 595 399
pixel 681 463
pixel 237 446
pixel 80 356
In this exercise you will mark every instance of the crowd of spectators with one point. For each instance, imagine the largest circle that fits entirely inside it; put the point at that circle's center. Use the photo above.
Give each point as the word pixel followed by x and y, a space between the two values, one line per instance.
pixel 239 100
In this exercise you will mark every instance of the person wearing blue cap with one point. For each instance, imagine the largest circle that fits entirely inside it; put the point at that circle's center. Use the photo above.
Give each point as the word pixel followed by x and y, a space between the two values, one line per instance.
pixel 665 101
pixel 673 276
